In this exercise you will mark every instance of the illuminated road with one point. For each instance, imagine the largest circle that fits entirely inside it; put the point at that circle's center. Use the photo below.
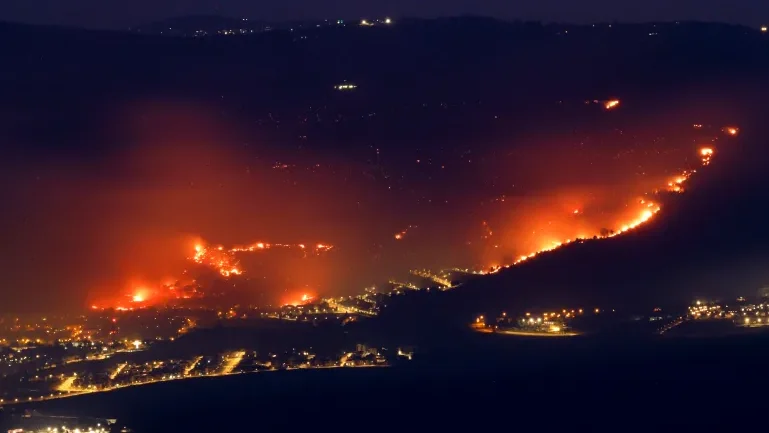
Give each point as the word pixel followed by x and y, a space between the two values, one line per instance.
pixel 446 284
pixel 68 390
pixel 117 371
pixel 341 309
pixel 67 385
pixel 344 358
pixel 232 362
pixel 671 325
pixel 192 365
pixel 529 333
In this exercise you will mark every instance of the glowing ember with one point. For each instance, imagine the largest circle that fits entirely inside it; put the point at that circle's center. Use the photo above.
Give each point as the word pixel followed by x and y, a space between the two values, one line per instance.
pixel 613 103
pixel 488 233
pixel 402 234
pixel 731 130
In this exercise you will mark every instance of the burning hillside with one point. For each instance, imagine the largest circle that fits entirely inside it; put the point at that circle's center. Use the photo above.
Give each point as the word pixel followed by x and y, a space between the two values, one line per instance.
pixel 333 224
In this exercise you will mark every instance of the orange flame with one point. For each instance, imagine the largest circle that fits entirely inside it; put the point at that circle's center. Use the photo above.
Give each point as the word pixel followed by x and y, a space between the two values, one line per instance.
pixel 611 104
pixel 225 262
pixel 645 215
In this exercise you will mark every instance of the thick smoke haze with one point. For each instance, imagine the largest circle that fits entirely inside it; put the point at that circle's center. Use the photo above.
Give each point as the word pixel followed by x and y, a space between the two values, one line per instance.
pixel 95 228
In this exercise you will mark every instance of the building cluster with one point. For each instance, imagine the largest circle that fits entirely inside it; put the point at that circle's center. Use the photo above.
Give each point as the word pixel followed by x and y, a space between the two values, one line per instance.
pixel 553 322
pixel 246 27
pixel 97 327
pixel 346 86
pixel 35 422
pixel 742 312
pixel 31 331
pixel 314 312
pixel 44 384
pixel 134 373
pixel 343 310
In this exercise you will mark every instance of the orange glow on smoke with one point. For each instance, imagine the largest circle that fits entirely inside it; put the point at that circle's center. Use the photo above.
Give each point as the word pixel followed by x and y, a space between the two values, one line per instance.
pixel 305 298
pixel 647 210
pixel 559 207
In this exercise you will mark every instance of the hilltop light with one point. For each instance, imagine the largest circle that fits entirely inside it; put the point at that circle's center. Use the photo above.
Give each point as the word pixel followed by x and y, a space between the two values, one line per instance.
pixel 389 21
pixel 345 86
pixel 764 29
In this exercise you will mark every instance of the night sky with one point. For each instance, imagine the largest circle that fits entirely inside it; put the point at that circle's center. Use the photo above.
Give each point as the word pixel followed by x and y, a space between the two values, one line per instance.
pixel 125 13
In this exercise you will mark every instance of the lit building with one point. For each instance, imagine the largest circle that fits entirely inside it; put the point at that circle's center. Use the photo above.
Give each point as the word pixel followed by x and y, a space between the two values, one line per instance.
pixel 345 86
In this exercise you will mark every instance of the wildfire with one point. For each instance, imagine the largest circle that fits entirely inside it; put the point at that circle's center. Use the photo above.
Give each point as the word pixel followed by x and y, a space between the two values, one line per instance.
pixel 575 217
pixel 675 184
pixel 402 234
pixel 649 210
pixel 731 130
pixel 611 104
pixel 223 260
pixel 226 262
pixel 304 299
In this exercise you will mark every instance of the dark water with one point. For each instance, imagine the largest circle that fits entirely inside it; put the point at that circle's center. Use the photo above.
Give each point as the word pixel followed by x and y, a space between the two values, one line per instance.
pixel 592 383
